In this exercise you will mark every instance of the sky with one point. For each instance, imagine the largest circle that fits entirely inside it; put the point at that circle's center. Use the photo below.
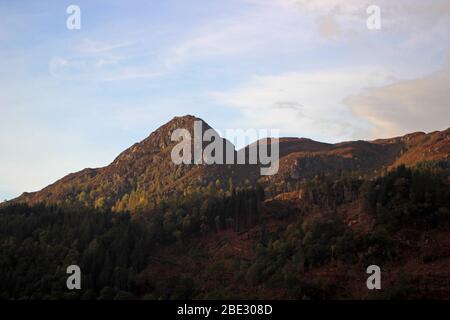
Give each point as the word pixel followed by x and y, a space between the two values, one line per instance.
pixel 72 99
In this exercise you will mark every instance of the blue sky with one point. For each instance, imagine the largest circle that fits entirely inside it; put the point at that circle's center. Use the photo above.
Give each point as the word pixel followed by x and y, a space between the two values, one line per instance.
pixel 72 99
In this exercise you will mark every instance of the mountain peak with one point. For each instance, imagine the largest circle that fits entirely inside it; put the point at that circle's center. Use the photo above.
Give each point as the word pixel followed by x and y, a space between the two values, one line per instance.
pixel 145 172
pixel 187 117
pixel 160 139
pixel 182 122
pixel 178 122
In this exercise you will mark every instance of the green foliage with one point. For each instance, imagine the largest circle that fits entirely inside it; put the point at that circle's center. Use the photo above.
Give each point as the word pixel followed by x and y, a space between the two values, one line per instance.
pixel 179 218
pixel 114 249
pixel 299 247
pixel 409 197
pixel 38 243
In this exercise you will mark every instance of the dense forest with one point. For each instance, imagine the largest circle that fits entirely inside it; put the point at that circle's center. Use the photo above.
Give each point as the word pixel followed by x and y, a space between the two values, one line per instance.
pixel 37 243
pixel 116 251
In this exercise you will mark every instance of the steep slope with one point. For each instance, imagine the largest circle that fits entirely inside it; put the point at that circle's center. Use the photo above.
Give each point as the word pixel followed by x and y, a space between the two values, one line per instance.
pixel 371 158
pixel 326 216
pixel 144 173
pixel 137 177
pixel 420 146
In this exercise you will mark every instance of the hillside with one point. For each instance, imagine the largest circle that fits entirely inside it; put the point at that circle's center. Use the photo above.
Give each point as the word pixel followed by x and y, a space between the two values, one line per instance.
pixel 313 242
pixel 144 228
pixel 143 175
pixel 138 178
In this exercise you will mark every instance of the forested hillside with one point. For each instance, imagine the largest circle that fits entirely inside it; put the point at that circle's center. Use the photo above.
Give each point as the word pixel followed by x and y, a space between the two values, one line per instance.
pixel 144 175
pixel 313 241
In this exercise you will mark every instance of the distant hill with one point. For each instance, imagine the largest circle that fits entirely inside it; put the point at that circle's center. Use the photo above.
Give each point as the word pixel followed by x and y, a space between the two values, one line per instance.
pixel 144 173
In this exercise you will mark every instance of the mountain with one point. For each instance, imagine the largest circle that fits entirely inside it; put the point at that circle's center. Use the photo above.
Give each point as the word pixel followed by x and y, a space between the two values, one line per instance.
pixel 197 231
pixel 137 177
pixel 302 158
pixel 144 173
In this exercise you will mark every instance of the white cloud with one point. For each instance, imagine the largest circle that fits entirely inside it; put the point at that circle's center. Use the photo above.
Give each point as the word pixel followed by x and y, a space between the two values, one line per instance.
pixel 94 60
pixel 406 105
pixel 220 39
pixel 397 10
pixel 94 47
pixel 329 6
pixel 335 105
pixel 267 30
pixel 304 103
pixel 412 19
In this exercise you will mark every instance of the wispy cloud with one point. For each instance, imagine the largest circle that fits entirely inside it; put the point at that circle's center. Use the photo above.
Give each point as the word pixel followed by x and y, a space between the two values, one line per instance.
pixel 102 61
pixel 95 47
pixel 304 103
pixel 403 17
pixel 406 105
pixel 265 31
